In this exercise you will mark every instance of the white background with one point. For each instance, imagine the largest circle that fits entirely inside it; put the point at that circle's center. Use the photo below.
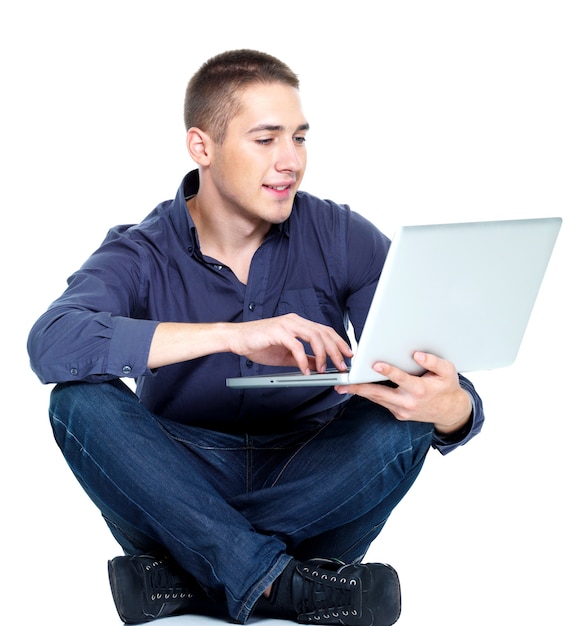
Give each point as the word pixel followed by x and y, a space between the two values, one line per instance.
pixel 421 111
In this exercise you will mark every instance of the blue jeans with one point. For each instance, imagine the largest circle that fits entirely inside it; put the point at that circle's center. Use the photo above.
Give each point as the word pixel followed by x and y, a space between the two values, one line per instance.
pixel 232 510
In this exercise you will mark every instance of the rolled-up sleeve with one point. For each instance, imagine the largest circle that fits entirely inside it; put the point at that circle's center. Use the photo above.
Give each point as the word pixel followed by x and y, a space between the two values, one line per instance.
pixel 69 350
pixel 95 330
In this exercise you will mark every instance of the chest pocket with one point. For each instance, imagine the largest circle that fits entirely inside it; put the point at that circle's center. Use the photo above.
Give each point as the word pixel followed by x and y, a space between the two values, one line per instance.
pixel 304 302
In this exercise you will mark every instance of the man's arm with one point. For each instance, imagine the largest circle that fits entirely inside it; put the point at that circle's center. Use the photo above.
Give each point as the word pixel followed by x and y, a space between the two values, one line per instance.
pixel 274 341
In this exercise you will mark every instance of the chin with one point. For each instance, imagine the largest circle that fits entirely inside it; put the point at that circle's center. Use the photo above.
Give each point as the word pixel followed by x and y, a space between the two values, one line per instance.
pixel 278 215
pixel 282 217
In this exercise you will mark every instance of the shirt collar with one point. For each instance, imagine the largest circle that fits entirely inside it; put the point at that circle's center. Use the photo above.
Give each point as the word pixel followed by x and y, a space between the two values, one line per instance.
pixel 180 215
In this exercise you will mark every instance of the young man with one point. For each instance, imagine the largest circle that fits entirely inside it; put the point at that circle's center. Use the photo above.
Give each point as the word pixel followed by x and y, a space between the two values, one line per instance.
pixel 227 500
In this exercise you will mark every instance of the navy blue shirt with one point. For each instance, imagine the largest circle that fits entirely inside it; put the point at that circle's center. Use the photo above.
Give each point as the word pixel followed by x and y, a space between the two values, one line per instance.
pixel 323 263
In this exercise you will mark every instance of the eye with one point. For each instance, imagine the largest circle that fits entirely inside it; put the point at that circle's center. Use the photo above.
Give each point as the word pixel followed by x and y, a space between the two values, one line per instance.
pixel 263 142
pixel 300 139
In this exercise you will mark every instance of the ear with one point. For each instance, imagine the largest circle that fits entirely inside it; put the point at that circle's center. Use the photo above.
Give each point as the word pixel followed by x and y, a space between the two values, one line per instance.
pixel 199 145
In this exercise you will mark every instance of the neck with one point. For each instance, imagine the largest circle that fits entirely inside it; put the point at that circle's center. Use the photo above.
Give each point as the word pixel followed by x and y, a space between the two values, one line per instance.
pixel 225 238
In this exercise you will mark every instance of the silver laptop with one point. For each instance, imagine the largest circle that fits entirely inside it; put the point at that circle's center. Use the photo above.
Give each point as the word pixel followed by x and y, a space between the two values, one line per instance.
pixel 461 291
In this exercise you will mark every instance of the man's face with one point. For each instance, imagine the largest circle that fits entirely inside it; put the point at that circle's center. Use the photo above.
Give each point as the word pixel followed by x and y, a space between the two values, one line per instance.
pixel 259 166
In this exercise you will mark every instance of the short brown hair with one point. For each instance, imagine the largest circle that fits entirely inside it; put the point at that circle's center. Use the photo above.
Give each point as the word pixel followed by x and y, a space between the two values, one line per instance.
pixel 213 93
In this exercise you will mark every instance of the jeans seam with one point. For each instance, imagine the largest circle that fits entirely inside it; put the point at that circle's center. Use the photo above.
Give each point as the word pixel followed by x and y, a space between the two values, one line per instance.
pixel 361 539
pixel 248 465
pixel 298 450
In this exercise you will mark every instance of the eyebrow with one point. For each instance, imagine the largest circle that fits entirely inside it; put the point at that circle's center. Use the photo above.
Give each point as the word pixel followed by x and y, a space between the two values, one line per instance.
pixel 276 128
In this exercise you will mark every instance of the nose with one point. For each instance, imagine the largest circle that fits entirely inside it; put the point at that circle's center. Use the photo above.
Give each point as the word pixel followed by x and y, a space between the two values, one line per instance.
pixel 290 157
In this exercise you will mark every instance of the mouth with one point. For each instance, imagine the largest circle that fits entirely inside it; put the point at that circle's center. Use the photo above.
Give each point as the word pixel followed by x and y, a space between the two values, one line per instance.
pixel 280 192
pixel 278 187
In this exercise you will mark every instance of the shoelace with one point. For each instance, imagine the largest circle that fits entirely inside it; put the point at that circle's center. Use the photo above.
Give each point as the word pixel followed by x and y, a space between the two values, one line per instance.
pixel 328 595
pixel 163 584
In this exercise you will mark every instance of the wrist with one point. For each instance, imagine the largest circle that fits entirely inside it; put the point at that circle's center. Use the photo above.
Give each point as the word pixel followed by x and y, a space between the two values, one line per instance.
pixel 445 429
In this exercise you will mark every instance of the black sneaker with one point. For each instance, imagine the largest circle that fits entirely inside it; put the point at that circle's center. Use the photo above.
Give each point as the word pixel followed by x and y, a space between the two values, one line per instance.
pixel 324 591
pixel 145 588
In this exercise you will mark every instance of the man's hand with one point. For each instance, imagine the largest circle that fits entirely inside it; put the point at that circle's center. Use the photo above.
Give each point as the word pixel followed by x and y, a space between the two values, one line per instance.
pixel 277 341
pixel 434 397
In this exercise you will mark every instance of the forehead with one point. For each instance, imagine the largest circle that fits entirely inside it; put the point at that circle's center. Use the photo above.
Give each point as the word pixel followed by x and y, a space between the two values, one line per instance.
pixel 274 104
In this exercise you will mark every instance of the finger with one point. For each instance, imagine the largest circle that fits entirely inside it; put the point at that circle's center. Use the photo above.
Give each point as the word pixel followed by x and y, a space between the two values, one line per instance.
pixel 379 394
pixel 375 392
pixel 393 373
pixel 321 347
pixel 299 355
pixel 324 342
pixel 338 350
pixel 433 363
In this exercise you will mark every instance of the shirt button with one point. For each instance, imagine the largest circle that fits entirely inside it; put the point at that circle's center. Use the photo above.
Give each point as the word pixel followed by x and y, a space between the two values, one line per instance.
pixel 73 371
pixel 127 369
pixel 252 306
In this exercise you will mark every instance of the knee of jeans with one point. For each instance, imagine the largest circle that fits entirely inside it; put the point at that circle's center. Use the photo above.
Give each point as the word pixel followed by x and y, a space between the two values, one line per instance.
pixel 77 402
pixel 63 403
pixel 74 395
